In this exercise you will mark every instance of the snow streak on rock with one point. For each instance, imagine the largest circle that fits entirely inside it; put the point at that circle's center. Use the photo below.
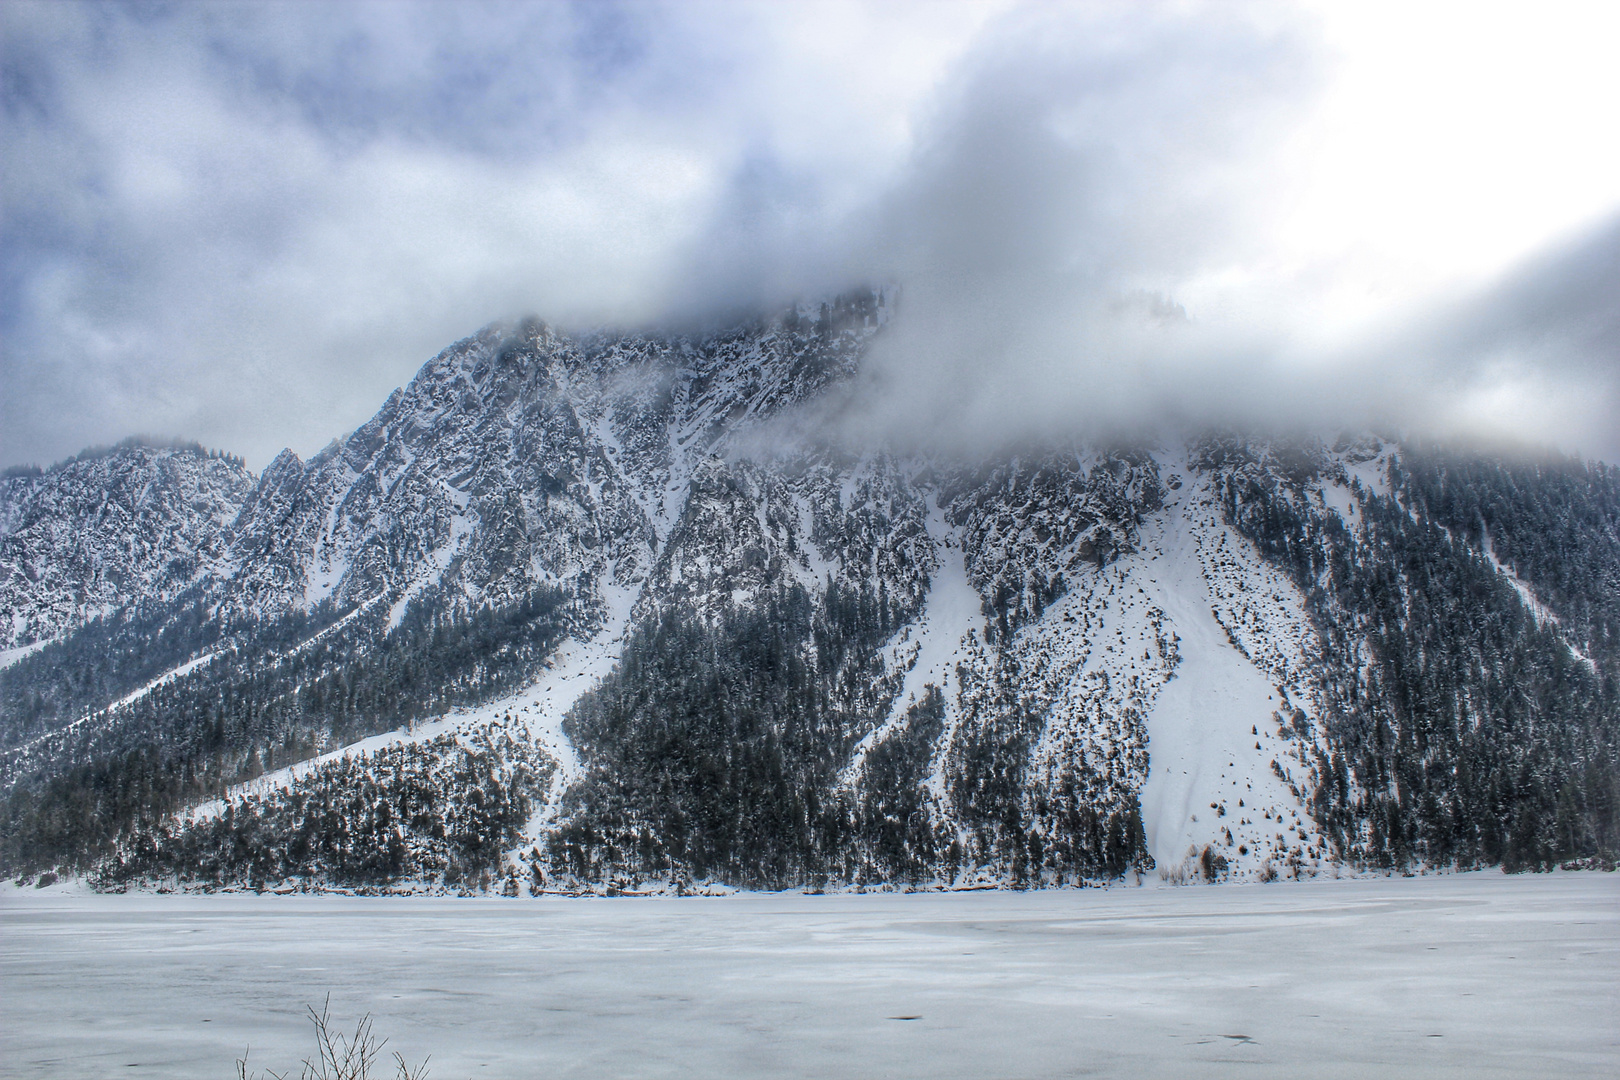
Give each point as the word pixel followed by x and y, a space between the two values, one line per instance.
pixel 90 535
pixel 1214 742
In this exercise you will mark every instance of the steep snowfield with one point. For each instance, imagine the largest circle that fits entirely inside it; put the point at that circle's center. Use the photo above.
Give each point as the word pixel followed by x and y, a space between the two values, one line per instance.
pixel 951 614
pixel 577 667
pixel 1211 734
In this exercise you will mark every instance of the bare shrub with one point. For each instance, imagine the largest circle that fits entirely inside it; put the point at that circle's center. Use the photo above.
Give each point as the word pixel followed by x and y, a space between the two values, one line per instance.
pixel 339 1056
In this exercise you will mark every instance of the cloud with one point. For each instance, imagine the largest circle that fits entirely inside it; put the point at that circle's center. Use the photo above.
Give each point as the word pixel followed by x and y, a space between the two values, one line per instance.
pixel 1092 238
pixel 247 223
pixel 1077 175
pixel 249 229
pixel 1533 356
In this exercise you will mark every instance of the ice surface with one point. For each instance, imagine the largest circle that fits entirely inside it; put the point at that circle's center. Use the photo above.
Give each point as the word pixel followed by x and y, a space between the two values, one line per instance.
pixel 1472 975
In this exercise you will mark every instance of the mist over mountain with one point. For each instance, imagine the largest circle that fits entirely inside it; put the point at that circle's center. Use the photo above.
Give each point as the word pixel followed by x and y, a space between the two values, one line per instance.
pixel 921 445
pixel 658 610
pixel 246 223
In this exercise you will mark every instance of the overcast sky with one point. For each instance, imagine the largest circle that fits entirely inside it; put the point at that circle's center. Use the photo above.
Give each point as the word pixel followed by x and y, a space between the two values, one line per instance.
pixel 246 224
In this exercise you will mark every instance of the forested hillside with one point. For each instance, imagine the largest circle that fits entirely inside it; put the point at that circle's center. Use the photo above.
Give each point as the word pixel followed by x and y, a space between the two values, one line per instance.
pixel 604 611
pixel 1467 617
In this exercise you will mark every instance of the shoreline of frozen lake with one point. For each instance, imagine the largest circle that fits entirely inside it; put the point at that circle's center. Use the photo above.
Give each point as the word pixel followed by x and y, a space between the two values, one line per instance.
pixel 1474 975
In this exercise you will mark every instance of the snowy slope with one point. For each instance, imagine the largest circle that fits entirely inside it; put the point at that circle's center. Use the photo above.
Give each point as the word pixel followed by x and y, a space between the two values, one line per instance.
pixel 929 649
pixel 1212 732
pixel 1126 675
pixel 92 534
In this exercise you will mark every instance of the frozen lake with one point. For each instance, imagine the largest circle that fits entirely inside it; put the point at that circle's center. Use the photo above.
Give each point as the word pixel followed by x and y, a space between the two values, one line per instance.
pixel 1474 975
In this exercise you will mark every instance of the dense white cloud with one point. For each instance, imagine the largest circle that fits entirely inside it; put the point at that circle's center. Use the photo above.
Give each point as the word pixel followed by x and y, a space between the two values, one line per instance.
pixel 246 224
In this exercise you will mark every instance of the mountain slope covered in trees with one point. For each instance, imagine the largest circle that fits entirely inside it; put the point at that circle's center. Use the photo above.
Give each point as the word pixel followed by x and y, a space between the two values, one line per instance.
pixel 595 611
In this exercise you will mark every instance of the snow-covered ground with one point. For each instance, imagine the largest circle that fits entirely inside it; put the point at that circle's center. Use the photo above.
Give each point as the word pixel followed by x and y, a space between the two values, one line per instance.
pixel 1473 975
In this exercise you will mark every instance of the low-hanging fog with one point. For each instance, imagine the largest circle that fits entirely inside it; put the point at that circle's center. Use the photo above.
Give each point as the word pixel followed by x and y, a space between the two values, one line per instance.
pixel 245 224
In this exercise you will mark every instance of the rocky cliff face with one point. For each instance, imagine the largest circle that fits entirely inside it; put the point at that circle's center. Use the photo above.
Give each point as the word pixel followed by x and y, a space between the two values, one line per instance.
pixel 88 536
pixel 732 652
pixel 520 457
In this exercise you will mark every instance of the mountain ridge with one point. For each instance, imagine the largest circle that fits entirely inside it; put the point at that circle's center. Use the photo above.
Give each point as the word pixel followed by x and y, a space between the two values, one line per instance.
pixel 560 567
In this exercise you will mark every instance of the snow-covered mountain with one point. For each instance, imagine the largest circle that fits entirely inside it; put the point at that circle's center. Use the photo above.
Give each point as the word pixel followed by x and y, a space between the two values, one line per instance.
pixel 599 610
pixel 131 522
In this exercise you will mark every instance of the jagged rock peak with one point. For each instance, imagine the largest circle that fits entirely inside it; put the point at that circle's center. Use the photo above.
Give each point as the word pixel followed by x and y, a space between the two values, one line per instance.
pixel 135 521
